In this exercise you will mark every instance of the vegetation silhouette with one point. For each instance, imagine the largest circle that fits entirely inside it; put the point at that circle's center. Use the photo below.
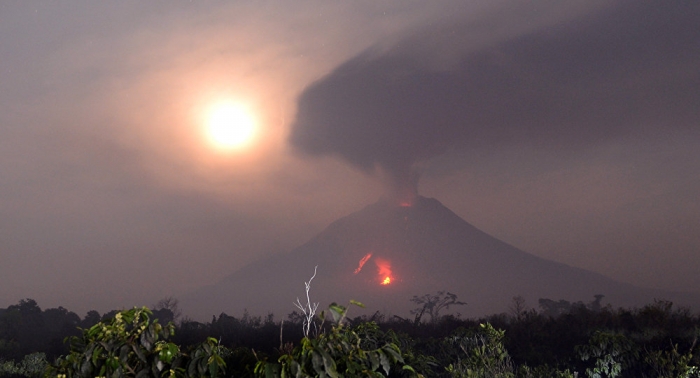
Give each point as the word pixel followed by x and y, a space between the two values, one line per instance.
pixel 557 339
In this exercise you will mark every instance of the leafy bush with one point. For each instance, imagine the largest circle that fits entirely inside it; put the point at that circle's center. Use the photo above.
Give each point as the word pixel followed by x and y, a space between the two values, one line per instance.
pixel 340 352
pixel 31 366
pixel 483 355
pixel 130 345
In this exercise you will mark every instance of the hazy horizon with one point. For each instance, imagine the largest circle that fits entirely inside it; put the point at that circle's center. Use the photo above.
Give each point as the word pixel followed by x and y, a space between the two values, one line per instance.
pixel 568 130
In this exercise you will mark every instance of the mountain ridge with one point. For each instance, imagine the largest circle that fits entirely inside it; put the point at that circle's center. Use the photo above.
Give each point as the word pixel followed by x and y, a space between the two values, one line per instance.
pixel 385 253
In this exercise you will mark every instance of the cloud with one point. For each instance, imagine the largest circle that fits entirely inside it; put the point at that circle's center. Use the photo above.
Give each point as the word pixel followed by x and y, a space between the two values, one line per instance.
pixel 110 196
pixel 622 70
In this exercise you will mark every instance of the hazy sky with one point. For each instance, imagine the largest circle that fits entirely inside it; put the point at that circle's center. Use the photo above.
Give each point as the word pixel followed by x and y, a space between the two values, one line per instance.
pixel 568 129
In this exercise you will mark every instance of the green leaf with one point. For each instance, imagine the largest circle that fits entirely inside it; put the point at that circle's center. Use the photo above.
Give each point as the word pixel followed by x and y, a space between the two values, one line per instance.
pixel 96 352
pixel 86 368
pixel 192 368
pixel 374 361
pixel 112 363
pixel 215 363
pixel 139 353
pixel 147 338
pixel 213 367
pixel 384 361
pixel 394 351
pixel 409 368
pixel 124 354
pixel 337 311
pixel 317 362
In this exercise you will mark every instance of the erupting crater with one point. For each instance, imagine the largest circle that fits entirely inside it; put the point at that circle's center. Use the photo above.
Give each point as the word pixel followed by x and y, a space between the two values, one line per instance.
pixel 384 273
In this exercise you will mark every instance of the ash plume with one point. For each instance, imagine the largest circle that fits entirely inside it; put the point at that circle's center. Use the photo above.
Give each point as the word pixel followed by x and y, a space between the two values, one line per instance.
pixel 601 76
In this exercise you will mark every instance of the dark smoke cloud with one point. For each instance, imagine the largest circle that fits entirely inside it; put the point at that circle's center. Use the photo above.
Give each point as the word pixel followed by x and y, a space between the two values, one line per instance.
pixel 628 69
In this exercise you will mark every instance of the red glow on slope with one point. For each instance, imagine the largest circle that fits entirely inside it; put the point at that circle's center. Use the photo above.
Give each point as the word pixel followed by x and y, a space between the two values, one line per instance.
pixel 384 268
pixel 405 195
pixel 362 262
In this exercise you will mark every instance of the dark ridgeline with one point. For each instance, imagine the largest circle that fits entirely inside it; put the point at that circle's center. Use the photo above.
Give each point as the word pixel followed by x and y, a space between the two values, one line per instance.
pixel 423 248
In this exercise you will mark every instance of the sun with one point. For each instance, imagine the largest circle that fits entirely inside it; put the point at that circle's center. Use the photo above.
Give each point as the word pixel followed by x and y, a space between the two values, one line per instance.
pixel 230 125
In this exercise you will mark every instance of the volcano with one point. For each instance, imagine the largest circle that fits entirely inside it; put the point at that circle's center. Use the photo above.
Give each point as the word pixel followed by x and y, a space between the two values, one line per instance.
pixel 386 253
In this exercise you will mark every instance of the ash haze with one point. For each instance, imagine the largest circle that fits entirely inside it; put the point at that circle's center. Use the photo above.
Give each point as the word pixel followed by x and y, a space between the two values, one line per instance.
pixel 567 129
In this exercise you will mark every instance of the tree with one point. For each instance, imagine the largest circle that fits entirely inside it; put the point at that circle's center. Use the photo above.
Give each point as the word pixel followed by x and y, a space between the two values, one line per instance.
pixel 518 308
pixel 91 318
pixel 170 304
pixel 553 308
pixel 58 324
pixel 25 326
pixel 433 304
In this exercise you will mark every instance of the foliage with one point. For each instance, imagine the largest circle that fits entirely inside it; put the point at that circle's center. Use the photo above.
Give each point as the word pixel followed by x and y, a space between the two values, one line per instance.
pixel 130 345
pixel 671 363
pixel 643 346
pixel 544 371
pixel 340 352
pixel 25 329
pixel 31 366
pixel 562 340
pixel 612 352
pixel 483 354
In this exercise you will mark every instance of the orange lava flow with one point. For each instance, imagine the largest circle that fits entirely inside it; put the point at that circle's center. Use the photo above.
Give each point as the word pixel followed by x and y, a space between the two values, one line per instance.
pixel 384 267
pixel 362 262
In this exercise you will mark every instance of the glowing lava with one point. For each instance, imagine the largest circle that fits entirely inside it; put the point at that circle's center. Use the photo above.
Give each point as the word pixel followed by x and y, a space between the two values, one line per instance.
pixel 362 262
pixel 384 268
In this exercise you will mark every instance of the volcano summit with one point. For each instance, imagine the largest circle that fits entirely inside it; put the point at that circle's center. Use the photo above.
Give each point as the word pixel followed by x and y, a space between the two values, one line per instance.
pixel 386 253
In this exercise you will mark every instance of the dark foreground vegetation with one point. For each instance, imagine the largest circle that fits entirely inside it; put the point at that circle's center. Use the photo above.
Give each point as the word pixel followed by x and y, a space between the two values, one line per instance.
pixel 561 339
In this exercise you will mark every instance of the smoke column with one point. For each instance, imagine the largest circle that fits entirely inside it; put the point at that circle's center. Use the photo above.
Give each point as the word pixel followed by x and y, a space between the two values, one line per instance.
pixel 562 88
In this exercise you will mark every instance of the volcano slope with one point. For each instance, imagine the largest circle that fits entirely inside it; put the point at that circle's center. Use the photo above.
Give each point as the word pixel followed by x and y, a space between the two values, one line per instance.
pixel 385 254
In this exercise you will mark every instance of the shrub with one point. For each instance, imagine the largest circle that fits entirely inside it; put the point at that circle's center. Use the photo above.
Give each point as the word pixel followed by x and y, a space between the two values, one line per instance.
pixel 130 345
pixel 340 352
pixel 483 355
pixel 31 366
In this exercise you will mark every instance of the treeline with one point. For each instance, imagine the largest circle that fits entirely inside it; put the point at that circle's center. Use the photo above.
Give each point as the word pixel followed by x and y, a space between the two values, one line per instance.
pixel 25 328
pixel 559 339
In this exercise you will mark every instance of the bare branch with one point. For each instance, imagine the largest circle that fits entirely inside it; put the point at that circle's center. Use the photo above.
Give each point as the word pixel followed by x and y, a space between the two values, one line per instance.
pixel 308 309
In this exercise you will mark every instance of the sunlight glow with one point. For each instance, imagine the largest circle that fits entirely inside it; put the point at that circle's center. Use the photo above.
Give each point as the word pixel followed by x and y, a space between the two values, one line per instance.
pixel 230 125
